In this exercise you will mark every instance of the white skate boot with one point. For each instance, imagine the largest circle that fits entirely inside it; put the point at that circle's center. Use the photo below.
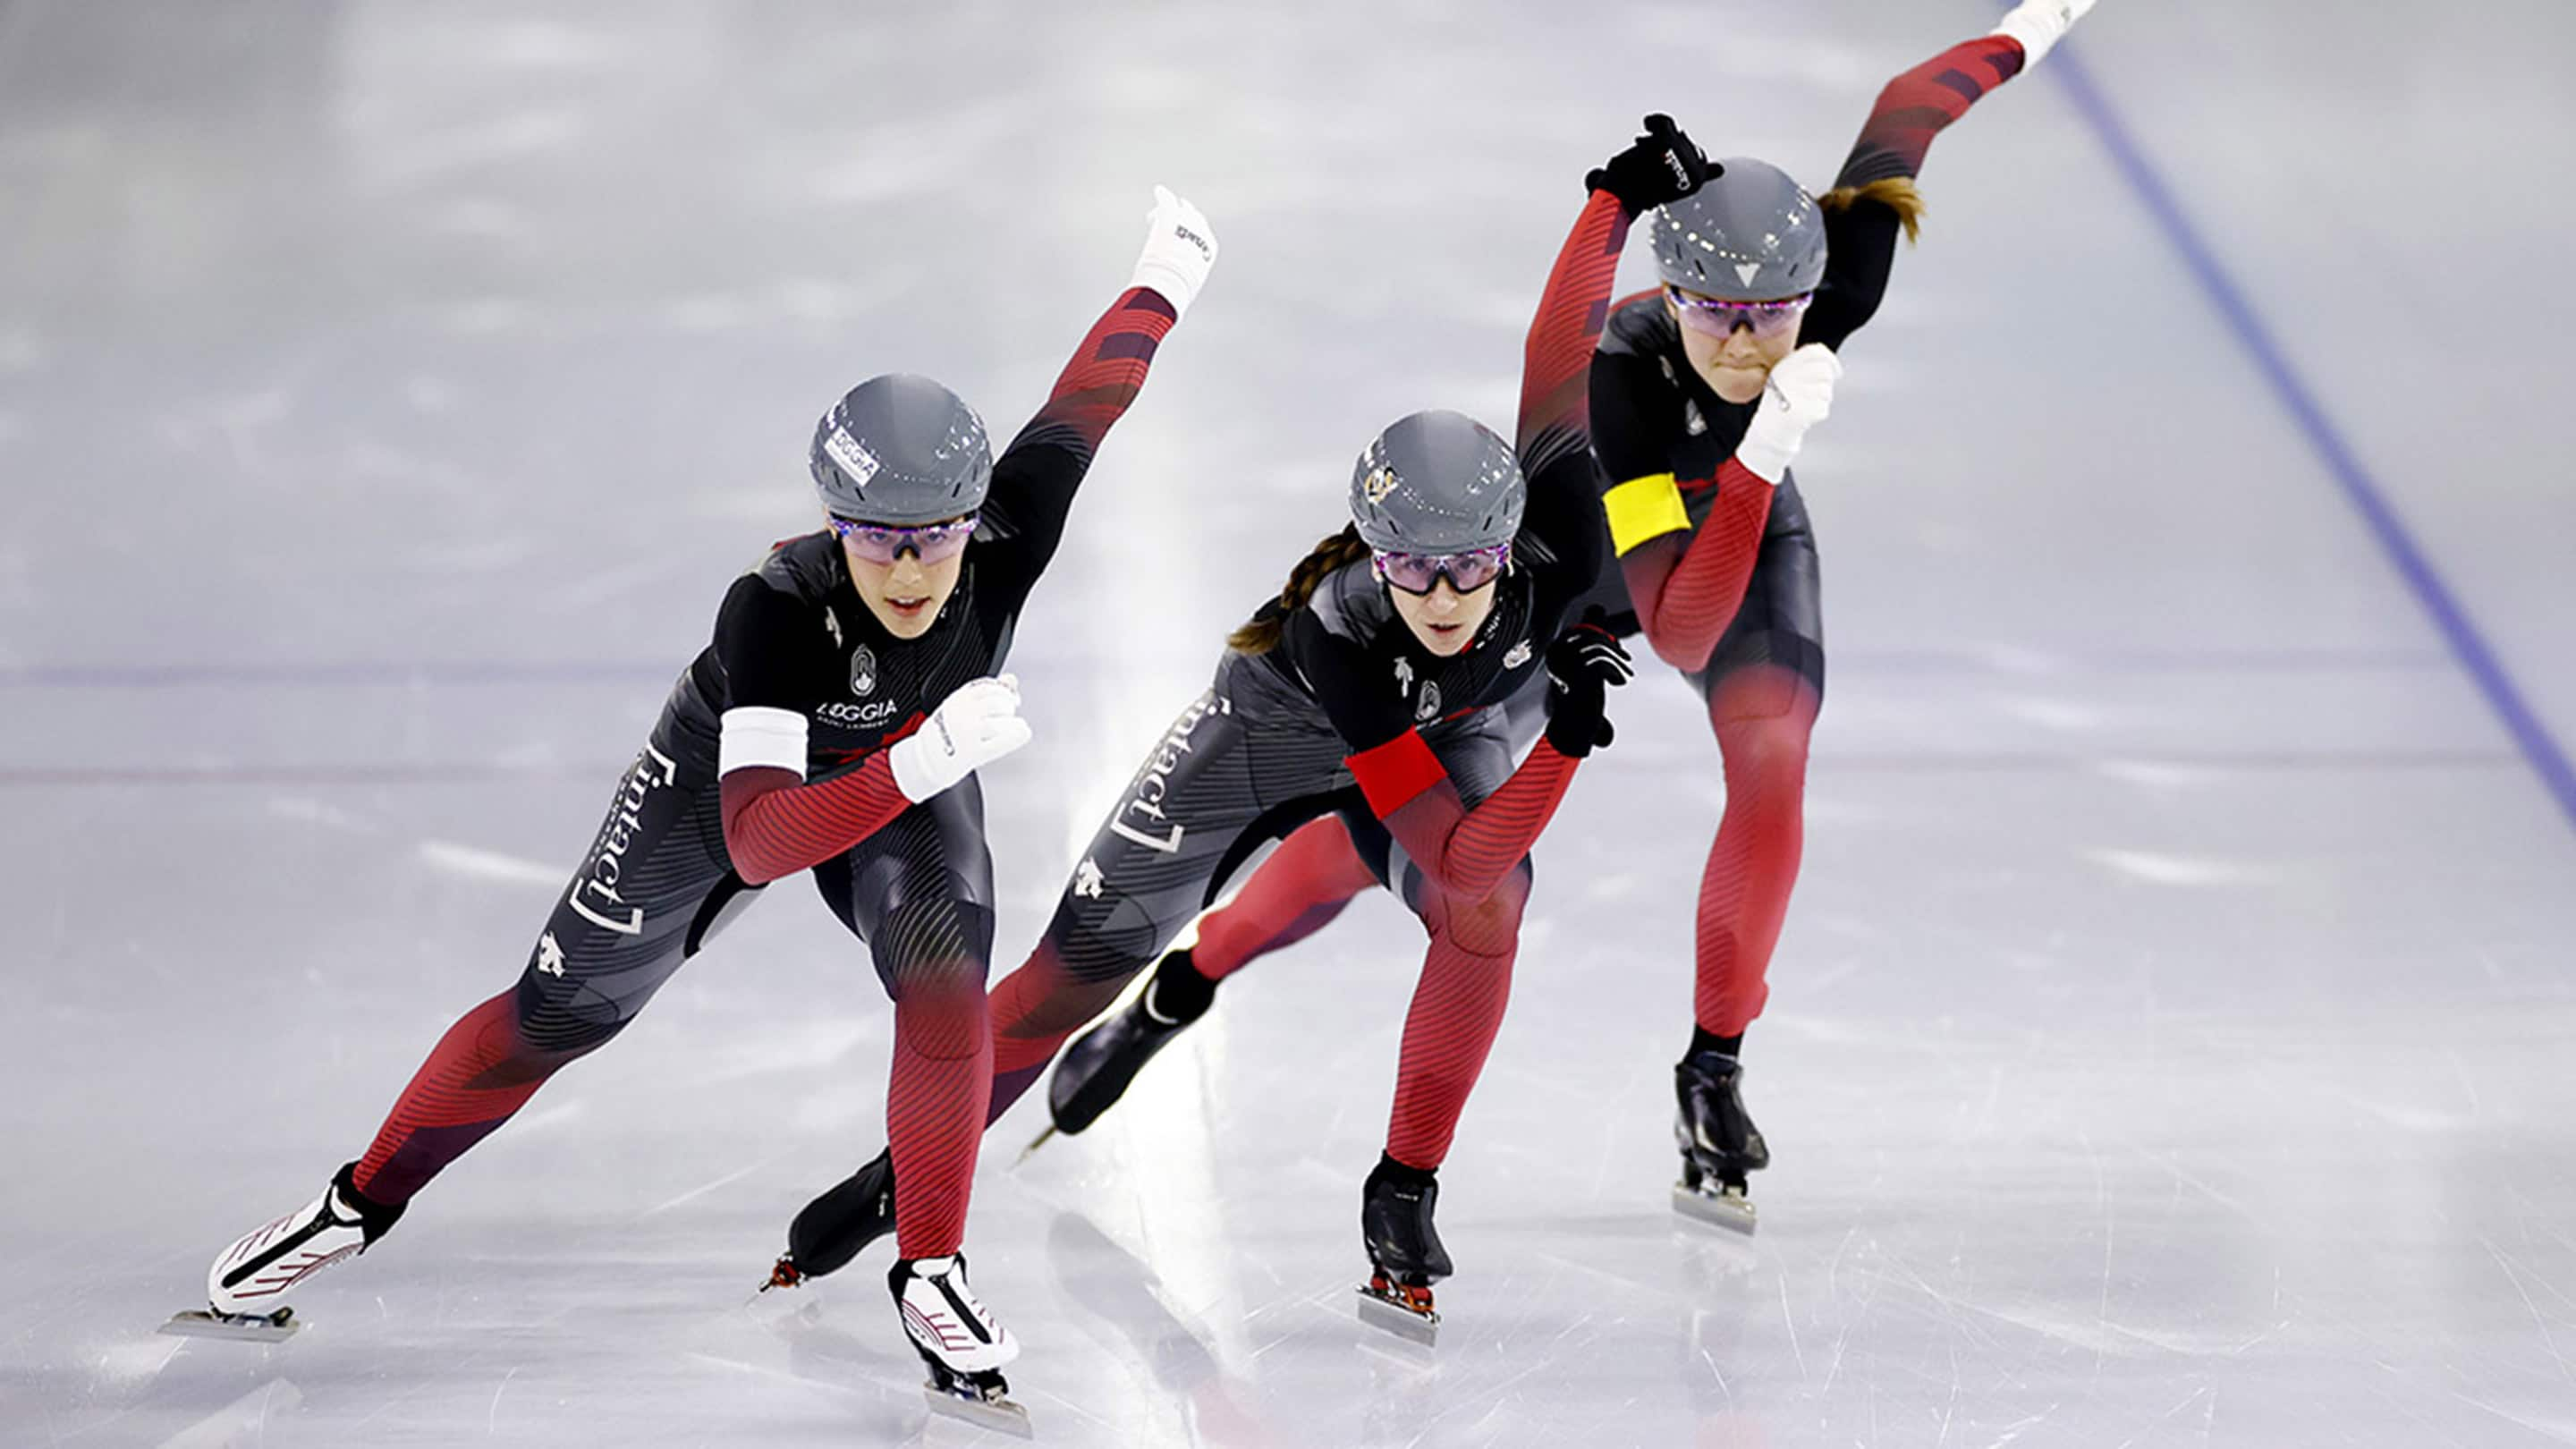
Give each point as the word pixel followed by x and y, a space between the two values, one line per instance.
pixel 246 1285
pixel 960 1341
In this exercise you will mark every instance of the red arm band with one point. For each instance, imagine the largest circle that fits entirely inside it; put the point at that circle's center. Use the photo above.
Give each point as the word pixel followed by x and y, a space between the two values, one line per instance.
pixel 1914 107
pixel 1687 586
pixel 1556 362
pixel 774 826
pixel 1392 774
pixel 1468 852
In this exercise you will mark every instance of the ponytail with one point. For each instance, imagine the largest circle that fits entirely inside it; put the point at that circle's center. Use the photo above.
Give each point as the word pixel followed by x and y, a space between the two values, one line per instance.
pixel 1896 193
pixel 1263 631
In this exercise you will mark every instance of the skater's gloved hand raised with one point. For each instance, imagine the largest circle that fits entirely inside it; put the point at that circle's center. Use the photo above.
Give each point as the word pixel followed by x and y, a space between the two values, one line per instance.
pixel 1180 247
pixel 973 727
pixel 2040 24
pixel 1796 397
pixel 1582 665
pixel 1661 165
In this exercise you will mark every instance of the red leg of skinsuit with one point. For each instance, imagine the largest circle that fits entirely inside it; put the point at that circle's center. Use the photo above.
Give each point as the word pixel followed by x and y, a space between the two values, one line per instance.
pixel 1763 715
pixel 1298 891
pixel 1457 1010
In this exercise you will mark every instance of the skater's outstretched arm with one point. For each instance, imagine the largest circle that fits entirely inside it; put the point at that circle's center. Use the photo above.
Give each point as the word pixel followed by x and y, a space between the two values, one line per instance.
pixel 1874 197
pixel 1038 474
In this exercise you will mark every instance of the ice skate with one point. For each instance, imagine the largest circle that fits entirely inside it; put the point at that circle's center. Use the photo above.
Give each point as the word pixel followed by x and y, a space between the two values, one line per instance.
pixel 1098 1066
pixel 959 1341
pixel 833 1228
pixel 1718 1141
pixel 1405 1256
pixel 246 1285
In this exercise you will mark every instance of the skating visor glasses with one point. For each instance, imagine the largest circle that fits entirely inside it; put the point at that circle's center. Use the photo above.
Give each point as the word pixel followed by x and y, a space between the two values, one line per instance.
pixel 1416 573
pixel 1720 319
pixel 932 542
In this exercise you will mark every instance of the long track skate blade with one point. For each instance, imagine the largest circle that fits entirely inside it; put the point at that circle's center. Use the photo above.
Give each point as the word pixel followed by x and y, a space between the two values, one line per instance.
pixel 1002 1416
pixel 1404 1323
pixel 240 1327
pixel 1731 1211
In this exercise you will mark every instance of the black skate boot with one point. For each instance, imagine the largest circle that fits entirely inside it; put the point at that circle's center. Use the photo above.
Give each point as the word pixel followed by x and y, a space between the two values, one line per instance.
pixel 1718 1140
pixel 1096 1069
pixel 1405 1256
pixel 833 1228
pixel 959 1341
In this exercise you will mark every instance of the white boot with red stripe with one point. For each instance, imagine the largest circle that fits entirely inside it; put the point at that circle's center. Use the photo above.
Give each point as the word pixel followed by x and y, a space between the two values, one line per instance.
pixel 246 1287
pixel 960 1341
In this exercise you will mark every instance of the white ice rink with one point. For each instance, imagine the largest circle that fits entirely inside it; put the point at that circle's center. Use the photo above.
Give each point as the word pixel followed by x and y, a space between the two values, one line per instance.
pixel 2171 1040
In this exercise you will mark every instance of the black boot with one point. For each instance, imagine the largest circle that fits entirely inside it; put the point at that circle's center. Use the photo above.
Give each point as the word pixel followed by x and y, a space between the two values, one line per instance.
pixel 1396 1204
pixel 1718 1141
pixel 833 1228
pixel 1097 1067
pixel 1716 1135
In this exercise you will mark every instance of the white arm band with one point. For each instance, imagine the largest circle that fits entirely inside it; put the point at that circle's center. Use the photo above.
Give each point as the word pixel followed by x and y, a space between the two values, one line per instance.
pixel 756 735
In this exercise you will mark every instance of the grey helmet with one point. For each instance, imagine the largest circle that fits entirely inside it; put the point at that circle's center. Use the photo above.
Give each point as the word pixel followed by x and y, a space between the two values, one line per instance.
pixel 1437 482
pixel 901 449
pixel 1750 235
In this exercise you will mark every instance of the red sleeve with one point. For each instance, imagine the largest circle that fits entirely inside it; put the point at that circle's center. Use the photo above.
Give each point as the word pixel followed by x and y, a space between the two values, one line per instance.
pixel 1556 363
pixel 1914 107
pixel 775 826
pixel 1465 852
pixel 1687 584
pixel 1106 373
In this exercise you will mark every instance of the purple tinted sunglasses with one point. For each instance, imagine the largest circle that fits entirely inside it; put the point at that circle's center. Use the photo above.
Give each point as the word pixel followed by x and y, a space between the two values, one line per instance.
pixel 1717 318
pixel 882 544
pixel 1417 573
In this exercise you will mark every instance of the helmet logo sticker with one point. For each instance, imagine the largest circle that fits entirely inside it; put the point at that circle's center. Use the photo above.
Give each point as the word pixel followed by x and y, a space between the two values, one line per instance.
pixel 852 456
pixel 863 671
pixel 1381 481
pixel 1745 270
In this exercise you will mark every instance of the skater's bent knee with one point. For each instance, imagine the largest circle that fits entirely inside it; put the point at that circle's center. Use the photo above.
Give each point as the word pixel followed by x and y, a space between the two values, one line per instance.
pixel 1758 693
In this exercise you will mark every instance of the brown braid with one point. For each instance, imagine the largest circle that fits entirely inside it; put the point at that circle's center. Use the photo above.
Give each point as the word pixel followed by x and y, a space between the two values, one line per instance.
pixel 1896 193
pixel 1263 631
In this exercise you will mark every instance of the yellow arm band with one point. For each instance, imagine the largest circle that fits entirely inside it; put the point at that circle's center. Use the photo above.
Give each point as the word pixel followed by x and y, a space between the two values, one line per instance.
pixel 1644 508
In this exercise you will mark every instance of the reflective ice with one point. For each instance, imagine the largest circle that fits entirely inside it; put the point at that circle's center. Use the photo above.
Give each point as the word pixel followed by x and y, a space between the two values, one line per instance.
pixel 2169 1044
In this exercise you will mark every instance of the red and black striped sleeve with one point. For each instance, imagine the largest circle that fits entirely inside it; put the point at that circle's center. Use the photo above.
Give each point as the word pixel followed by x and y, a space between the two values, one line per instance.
pixel 1557 358
pixel 776 826
pixel 1034 483
pixel 778 662
pixel 1916 106
pixel 1911 110
pixel 1466 852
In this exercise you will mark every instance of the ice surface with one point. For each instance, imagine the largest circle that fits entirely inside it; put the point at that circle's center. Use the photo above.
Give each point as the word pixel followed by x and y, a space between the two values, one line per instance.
pixel 2170 1041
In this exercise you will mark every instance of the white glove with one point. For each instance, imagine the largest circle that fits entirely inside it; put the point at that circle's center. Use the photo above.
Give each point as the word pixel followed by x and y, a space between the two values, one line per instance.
pixel 1180 246
pixel 973 727
pixel 2040 24
pixel 1798 395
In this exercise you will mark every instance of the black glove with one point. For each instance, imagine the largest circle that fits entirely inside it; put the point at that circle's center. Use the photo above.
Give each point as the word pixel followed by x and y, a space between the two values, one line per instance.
pixel 1661 165
pixel 1582 664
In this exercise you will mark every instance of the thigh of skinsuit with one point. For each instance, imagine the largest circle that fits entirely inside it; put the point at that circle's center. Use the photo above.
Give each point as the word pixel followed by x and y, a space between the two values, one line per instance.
pixel 1211 776
pixel 1781 621
pixel 653 887
pixel 921 889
